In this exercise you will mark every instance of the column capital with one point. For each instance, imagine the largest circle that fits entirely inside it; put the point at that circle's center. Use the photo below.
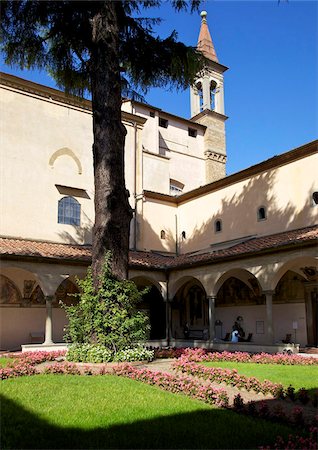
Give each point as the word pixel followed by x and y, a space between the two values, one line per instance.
pixel 269 291
pixel 212 297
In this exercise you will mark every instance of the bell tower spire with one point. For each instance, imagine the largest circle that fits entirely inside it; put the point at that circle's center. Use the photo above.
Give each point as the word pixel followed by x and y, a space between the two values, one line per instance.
pixel 208 90
pixel 205 44
pixel 207 104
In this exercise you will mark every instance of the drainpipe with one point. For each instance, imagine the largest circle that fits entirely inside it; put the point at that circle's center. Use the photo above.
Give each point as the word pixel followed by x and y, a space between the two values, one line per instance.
pixel 177 249
pixel 168 310
pixel 135 187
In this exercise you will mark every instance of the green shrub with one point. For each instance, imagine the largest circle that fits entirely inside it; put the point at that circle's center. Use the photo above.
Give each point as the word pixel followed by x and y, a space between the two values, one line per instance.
pixel 108 317
pixel 100 354
pixel 138 353
pixel 89 353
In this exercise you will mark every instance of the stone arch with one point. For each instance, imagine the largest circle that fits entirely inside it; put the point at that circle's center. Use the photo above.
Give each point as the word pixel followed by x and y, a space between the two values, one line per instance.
pixel 66 152
pixel 9 292
pixel 153 305
pixel 290 288
pixel 297 265
pixel 27 283
pixel 175 286
pixel 66 293
pixel 243 275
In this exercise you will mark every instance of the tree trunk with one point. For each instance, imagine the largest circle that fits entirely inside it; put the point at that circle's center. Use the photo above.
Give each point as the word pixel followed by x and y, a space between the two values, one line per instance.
pixel 112 209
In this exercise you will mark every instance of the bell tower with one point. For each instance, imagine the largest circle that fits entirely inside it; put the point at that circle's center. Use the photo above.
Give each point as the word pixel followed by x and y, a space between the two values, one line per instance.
pixel 207 105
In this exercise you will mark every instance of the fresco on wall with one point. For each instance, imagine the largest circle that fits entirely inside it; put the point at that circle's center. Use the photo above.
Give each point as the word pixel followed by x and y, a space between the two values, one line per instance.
pixel 189 308
pixel 28 286
pixel 37 296
pixel 290 289
pixel 9 293
pixel 66 293
pixel 234 292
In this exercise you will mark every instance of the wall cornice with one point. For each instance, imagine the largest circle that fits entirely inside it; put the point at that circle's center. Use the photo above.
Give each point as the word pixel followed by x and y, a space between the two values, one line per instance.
pixel 51 94
pixel 286 158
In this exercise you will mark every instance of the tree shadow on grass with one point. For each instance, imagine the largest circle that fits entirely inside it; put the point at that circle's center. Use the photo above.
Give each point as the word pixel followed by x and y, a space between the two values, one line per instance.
pixel 207 428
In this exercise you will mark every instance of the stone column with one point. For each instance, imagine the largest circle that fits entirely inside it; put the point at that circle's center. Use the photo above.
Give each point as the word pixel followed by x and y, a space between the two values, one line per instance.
pixel 269 316
pixel 168 322
pixel 48 321
pixel 211 300
pixel 311 300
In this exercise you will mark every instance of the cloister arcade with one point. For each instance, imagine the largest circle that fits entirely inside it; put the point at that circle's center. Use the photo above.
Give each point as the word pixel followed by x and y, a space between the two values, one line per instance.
pixel 272 299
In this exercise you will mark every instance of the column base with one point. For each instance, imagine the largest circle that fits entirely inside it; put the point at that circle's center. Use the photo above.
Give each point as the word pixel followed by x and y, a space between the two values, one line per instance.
pixel 44 347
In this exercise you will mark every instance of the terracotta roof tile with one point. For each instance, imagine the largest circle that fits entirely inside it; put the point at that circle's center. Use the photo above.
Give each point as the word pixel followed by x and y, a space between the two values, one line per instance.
pixel 22 247
pixel 252 245
pixel 205 44
pixel 151 260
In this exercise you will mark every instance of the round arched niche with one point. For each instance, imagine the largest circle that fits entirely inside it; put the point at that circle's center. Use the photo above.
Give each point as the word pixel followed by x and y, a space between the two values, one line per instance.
pixel 9 293
pixel 234 292
pixel 189 308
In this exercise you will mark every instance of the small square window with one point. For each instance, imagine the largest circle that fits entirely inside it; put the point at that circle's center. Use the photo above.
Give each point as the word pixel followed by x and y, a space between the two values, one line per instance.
pixel 163 122
pixel 192 132
pixel 152 114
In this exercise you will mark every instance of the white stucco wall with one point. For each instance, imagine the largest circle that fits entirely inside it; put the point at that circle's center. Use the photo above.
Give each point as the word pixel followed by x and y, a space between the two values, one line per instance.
pixel 43 144
pixel 285 192
pixel 17 323
pixel 283 317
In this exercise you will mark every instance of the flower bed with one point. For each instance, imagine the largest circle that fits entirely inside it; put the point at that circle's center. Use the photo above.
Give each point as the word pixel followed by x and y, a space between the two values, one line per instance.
pixel 24 363
pixel 296 442
pixel 65 368
pixel 200 354
pixel 228 376
pixel 175 384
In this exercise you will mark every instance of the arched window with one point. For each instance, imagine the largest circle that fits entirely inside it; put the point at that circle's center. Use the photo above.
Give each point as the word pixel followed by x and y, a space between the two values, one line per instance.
pixel 200 93
pixel 261 213
pixel 218 226
pixel 69 211
pixel 183 235
pixel 162 234
pixel 213 91
pixel 315 198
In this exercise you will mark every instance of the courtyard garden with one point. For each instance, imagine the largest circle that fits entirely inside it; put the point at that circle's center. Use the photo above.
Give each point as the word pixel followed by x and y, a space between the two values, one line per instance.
pixel 106 392
pixel 48 402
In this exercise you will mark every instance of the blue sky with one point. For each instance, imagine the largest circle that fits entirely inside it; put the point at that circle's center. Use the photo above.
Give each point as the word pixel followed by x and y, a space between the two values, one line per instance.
pixel 271 93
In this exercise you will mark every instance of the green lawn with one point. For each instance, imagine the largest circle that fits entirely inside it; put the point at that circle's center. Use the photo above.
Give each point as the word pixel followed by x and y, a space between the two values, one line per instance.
pixel 297 376
pixel 63 411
